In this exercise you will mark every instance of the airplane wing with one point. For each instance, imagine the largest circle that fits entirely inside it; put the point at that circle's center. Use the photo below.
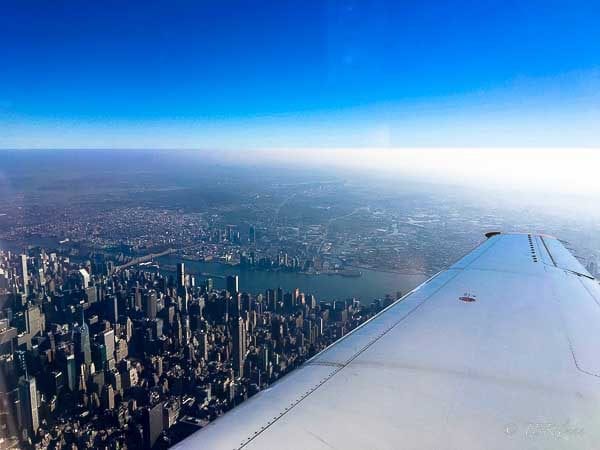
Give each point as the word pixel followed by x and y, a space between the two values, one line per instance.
pixel 500 351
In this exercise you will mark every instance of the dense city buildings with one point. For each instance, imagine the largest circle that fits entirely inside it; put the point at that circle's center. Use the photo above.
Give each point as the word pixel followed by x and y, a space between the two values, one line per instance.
pixel 98 357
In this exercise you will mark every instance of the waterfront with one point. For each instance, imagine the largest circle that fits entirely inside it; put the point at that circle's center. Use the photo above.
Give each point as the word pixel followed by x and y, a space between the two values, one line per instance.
pixel 371 285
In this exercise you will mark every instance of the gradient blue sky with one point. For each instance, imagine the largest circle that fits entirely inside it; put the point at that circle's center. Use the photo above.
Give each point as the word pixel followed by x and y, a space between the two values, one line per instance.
pixel 242 74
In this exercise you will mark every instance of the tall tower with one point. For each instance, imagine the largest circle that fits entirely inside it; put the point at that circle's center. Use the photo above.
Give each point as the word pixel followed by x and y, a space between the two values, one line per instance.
pixel 108 339
pixel 239 341
pixel 180 275
pixel 233 284
pixel 70 370
pixel 83 350
pixel 203 347
pixel 152 422
pixel 112 309
pixel 150 305
pixel 108 397
pixel 85 278
pixel 29 402
pixel 25 273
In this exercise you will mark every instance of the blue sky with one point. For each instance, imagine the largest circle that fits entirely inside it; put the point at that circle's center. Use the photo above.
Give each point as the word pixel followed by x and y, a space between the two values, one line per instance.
pixel 242 74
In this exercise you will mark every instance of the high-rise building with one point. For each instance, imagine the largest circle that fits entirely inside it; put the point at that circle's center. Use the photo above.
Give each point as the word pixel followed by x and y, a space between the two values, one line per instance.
pixel 152 423
pixel 108 397
pixel 137 298
pixel 29 404
pixel 239 338
pixel 83 349
pixel 237 304
pixel 99 356
pixel 180 275
pixel 113 377
pixel 264 358
pixel 157 328
pixel 178 330
pixel 70 371
pixel 270 299
pixel 112 309
pixel 311 301
pixel 233 284
pixel 252 234
pixel 85 278
pixel 33 320
pixel 232 234
pixel 150 304
pixel 24 273
pixel 108 340
pixel 203 345
pixel 288 302
pixel 296 295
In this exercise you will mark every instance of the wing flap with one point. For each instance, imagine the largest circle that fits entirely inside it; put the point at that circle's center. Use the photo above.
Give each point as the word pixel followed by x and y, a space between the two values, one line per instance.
pixel 582 320
pixel 562 258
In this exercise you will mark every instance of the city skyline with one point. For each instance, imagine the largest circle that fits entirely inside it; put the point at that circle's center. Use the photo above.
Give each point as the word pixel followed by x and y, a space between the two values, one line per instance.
pixel 128 358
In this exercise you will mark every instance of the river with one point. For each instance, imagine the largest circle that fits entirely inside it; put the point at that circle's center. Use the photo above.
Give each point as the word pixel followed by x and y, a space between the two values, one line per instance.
pixel 371 285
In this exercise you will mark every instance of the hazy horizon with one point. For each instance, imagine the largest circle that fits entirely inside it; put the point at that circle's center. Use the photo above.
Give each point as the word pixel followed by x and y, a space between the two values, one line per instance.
pixel 555 171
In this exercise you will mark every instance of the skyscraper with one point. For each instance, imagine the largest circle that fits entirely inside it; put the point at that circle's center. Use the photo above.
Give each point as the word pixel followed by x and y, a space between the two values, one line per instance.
pixel 111 306
pixel 203 345
pixel 29 404
pixel 152 423
pixel 108 339
pixel 24 273
pixel 83 350
pixel 239 340
pixel 288 302
pixel 180 275
pixel 150 304
pixel 85 278
pixel 270 299
pixel 237 304
pixel 233 284
pixel 137 297
pixel 70 371
pixel 108 397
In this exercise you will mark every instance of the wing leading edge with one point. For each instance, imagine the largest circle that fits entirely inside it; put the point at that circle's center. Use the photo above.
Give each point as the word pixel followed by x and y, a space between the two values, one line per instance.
pixel 516 367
